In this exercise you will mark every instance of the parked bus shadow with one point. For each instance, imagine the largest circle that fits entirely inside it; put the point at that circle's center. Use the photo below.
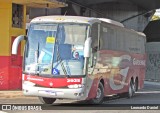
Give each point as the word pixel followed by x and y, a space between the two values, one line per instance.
pixel 85 103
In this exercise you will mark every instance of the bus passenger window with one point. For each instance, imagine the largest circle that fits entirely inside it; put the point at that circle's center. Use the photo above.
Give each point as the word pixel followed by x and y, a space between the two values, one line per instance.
pixel 94 35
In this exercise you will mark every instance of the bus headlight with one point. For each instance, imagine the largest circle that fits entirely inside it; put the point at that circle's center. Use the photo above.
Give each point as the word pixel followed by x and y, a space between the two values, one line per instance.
pixel 75 86
pixel 29 83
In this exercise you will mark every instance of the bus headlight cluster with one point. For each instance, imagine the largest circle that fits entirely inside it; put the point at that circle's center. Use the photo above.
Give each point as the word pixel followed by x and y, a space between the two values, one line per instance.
pixel 75 86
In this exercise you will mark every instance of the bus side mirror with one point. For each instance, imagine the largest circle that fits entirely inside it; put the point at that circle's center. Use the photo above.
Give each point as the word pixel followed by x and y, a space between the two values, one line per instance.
pixel 16 43
pixel 87 47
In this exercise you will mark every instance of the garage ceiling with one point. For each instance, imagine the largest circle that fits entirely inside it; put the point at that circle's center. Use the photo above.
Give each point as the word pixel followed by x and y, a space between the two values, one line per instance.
pixel 145 4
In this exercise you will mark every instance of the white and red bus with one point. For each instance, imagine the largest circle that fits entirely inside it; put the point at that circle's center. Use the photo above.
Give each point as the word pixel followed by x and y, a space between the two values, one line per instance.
pixel 81 58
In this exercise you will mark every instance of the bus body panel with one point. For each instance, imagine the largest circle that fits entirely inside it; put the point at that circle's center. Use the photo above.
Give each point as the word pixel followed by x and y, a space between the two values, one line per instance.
pixel 116 69
pixel 53 82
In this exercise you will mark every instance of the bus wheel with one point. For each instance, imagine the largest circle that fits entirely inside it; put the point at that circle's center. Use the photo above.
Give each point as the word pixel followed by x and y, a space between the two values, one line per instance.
pixel 131 89
pixel 99 96
pixel 136 85
pixel 46 100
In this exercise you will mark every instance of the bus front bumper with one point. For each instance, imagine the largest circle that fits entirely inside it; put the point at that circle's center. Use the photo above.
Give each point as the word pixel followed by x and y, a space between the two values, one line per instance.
pixel 59 93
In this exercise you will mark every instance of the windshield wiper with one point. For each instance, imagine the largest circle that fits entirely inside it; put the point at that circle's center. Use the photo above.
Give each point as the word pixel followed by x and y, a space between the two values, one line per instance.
pixel 58 54
pixel 61 62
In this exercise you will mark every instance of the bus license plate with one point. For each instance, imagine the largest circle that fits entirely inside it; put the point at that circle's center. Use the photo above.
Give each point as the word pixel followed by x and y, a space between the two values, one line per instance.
pixel 48 92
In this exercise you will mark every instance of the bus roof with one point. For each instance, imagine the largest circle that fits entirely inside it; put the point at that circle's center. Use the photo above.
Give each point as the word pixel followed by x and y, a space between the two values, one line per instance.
pixel 111 22
pixel 76 19
pixel 61 19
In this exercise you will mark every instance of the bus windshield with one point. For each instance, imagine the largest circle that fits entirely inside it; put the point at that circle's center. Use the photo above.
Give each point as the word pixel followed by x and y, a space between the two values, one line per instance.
pixel 55 49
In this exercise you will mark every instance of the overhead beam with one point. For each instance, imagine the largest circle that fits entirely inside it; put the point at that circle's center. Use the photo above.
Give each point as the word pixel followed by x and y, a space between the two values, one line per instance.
pixel 41 3
pixel 90 2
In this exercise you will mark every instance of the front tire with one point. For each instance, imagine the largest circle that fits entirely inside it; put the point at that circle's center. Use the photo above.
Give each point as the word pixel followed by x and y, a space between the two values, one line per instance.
pixel 100 95
pixel 46 100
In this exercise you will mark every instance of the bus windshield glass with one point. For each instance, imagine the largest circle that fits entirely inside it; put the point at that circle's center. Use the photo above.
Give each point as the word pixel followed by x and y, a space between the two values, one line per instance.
pixel 55 49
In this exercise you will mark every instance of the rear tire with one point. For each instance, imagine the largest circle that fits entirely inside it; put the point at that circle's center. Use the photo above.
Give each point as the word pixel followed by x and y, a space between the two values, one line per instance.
pixel 131 89
pixel 46 100
pixel 136 85
pixel 100 95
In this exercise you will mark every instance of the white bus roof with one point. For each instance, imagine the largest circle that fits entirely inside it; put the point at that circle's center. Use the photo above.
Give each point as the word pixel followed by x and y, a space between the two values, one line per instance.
pixel 76 19
pixel 60 19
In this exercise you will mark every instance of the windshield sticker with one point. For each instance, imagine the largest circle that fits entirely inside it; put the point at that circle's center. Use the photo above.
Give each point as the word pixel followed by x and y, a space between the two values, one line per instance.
pixel 55 71
pixel 50 40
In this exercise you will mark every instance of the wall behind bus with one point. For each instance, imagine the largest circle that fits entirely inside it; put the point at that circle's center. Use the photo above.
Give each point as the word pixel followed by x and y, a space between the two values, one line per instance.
pixel 10 65
pixel 153 61
pixel 4 44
